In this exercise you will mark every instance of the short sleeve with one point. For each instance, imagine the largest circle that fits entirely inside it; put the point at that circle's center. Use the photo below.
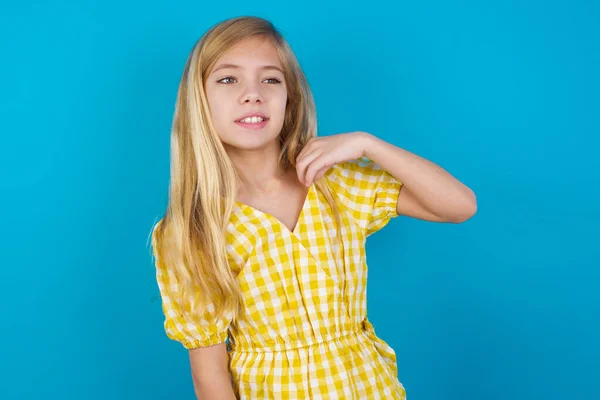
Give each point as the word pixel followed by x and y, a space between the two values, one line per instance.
pixel 368 191
pixel 191 330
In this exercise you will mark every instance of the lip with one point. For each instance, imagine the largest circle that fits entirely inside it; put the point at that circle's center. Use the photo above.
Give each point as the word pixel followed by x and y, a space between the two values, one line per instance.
pixel 258 125
pixel 252 114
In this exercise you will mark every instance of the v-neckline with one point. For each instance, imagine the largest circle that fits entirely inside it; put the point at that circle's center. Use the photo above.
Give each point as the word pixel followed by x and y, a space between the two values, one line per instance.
pixel 293 231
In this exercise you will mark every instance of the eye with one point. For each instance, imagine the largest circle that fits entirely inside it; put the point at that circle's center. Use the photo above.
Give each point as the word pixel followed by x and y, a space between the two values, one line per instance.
pixel 227 77
pixel 231 77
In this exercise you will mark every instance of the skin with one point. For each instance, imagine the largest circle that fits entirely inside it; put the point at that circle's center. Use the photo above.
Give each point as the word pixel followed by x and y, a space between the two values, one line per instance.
pixel 234 92
pixel 429 192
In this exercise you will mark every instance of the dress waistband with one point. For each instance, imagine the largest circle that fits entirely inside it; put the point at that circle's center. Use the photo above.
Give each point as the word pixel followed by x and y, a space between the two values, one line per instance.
pixel 365 326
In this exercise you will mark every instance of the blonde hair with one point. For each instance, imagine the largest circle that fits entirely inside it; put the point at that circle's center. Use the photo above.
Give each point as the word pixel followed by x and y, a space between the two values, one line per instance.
pixel 191 237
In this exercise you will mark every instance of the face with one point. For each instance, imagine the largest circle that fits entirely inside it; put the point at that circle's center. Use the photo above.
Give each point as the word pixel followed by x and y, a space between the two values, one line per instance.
pixel 247 79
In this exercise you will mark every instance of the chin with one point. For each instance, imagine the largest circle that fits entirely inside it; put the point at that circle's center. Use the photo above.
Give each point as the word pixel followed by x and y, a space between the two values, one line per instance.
pixel 249 143
pixel 247 139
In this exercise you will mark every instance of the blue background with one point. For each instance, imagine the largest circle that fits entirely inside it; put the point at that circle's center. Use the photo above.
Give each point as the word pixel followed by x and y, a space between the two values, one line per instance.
pixel 503 95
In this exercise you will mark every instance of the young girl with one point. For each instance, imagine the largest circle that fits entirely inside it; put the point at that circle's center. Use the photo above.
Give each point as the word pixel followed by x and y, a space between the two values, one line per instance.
pixel 260 256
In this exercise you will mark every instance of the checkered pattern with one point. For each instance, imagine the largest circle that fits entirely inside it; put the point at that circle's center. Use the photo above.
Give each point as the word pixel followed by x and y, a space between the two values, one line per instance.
pixel 304 333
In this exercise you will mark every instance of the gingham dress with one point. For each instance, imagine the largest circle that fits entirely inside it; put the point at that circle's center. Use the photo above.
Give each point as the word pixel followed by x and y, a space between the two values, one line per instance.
pixel 304 333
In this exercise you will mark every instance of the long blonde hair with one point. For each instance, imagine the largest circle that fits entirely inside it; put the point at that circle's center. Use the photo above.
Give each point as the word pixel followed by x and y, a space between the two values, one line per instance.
pixel 191 237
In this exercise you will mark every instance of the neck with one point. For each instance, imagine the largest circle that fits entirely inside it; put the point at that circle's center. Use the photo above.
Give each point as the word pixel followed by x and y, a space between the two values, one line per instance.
pixel 258 170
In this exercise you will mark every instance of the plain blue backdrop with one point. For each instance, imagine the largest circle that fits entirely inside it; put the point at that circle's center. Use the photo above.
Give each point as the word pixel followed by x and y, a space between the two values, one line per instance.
pixel 503 95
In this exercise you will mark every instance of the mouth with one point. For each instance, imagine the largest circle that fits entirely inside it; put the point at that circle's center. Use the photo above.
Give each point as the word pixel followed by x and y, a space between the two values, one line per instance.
pixel 253 123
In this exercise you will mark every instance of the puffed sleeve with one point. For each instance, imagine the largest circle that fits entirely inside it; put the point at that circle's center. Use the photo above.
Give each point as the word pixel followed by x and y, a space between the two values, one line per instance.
pixel 369 193
pixel 191 330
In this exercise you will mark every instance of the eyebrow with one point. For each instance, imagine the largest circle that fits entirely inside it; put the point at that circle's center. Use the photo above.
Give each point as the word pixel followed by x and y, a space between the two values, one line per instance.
pixel 264 67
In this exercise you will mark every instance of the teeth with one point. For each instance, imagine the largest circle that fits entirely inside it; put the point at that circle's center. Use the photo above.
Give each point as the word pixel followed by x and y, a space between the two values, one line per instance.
pixel 252 120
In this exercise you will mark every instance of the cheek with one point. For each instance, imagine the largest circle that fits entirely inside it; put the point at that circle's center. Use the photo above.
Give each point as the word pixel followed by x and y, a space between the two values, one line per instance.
pixel 218 113
pixel 280 102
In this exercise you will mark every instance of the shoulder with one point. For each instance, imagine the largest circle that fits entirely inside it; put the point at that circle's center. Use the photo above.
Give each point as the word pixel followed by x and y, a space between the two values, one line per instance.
pixel 367 190
pixel 354 174
pixel 161 234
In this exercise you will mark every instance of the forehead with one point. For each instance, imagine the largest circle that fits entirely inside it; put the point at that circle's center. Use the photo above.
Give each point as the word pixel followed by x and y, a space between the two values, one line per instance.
pixel 250 53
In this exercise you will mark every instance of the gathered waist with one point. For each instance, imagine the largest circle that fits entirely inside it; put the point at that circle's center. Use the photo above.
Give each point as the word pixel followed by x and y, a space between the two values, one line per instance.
pixel 363 328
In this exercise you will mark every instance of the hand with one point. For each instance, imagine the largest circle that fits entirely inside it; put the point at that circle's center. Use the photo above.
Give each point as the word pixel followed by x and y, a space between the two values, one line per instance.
pixel 319 154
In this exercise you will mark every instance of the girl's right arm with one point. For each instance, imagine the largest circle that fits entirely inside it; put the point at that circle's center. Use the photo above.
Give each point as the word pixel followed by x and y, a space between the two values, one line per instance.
pixel 203 335
pixel 210 373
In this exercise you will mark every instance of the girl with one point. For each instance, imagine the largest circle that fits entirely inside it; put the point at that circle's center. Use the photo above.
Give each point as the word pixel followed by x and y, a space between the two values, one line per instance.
pixel 260 256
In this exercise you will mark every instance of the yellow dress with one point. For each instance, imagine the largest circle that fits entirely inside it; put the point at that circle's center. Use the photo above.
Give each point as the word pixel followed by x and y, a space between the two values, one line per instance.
pixel 304 333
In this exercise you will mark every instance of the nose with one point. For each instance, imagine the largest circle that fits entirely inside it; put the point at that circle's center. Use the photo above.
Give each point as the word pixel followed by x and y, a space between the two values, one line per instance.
pixel 250 99
pixel 252 94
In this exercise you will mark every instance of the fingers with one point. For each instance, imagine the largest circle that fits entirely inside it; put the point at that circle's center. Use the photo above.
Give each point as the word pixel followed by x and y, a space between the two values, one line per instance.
pixel 321 172
pixel 312 162
pixel 306 155
pixel 307 148
pixel 303 165
pixel 316 169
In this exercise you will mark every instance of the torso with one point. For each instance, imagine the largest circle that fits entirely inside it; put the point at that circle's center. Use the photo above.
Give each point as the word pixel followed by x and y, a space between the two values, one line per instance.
pixel 304 292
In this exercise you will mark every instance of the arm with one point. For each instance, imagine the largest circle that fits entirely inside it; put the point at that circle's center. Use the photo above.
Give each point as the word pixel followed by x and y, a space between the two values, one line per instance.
pixel 203 335
pixel 429 192
pixel 210 373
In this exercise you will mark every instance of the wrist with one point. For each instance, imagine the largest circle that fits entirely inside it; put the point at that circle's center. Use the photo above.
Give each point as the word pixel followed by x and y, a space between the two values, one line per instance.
pixel 365 143
pixel 368 144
